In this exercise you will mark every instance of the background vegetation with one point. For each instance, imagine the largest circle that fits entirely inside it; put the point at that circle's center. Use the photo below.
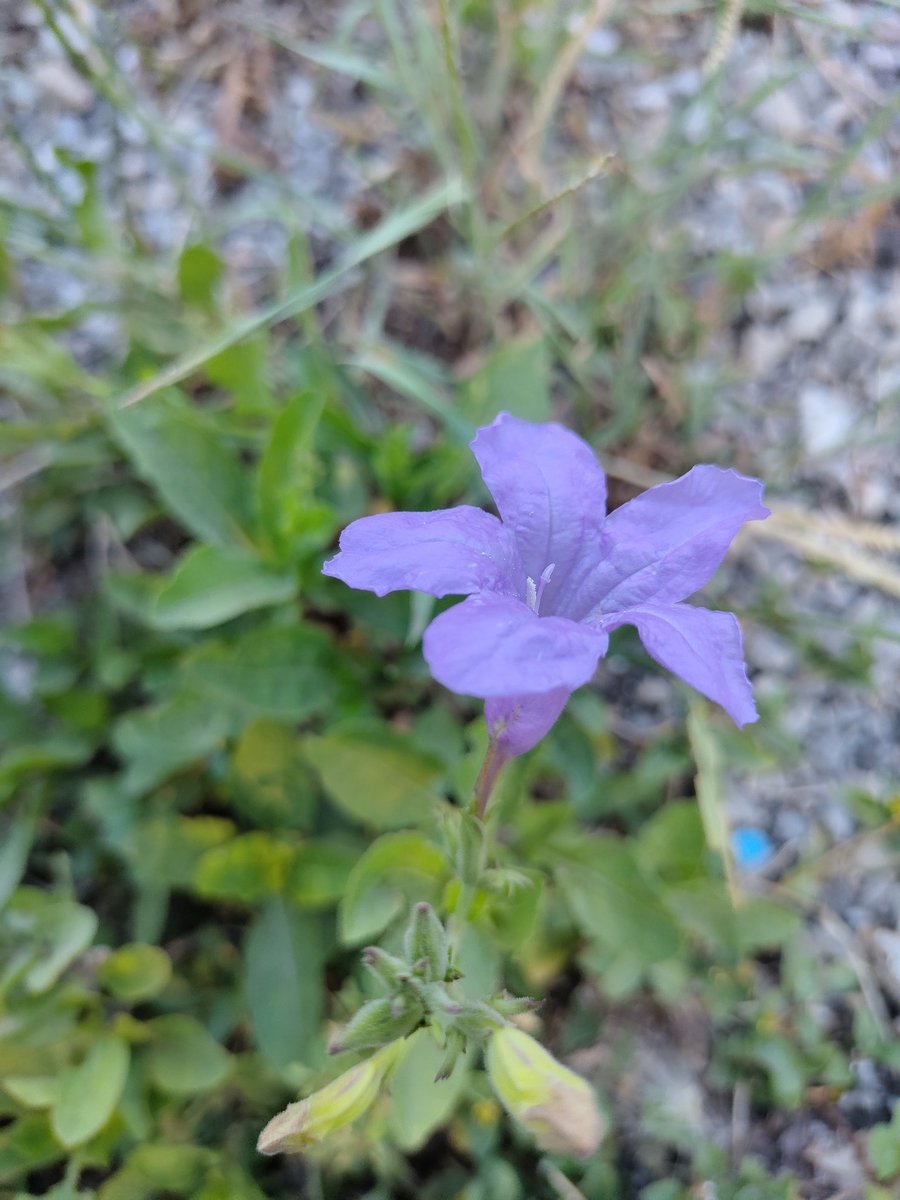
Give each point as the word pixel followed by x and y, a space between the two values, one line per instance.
pixel 222 774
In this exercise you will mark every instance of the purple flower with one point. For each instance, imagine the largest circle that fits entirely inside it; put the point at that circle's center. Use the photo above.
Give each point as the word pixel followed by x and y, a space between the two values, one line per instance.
pixel 549 580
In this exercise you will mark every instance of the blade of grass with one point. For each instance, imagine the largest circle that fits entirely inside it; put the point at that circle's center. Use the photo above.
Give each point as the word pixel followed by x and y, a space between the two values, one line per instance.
pixel 400 370
pixel 393 229
pixel 344 62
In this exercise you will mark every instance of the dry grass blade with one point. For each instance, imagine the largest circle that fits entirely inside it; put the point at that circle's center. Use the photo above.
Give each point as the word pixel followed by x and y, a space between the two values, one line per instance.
pixel 817 545
pixel 591 173
pixel 525 143
pixel 726 32
pixel 864 533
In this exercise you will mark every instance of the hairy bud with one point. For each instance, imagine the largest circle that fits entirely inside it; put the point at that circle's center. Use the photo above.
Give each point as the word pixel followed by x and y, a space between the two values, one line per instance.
pixel 513 1006
pixel 557 1106
pixel 376 1023
pixel 393 972
pixel 339 1103
pixel 425 943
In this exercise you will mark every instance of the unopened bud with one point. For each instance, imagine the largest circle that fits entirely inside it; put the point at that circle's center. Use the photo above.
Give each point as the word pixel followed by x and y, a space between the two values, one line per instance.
pixel 377 1023
pixel 339 1103
pixel 387 968
pixel 557 1106
pixel 513 1006
pixel 456 1044
pixel 477 1019
pixel 425 943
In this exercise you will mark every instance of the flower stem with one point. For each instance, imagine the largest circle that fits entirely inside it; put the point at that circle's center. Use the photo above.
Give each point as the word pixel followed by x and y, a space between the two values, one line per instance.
pixel 487 777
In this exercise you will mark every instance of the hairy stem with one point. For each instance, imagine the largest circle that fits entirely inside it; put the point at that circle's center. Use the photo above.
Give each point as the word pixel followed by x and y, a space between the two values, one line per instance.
pixel 487 777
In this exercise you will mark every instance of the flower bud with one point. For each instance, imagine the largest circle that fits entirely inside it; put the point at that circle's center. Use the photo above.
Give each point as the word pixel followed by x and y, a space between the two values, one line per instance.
pixel 455 1046
pixel 557 1106
pixel 377 1023
pixel 387 968
pixel 339 1103
pixel 513 1006
pixel 426 942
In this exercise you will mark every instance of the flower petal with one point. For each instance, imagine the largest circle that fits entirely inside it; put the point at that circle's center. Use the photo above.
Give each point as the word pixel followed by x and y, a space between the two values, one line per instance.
pixel 550 491
pixel 703 647
pixel 454 551
pixel 666 543
pixel 517 723
pixel 493 646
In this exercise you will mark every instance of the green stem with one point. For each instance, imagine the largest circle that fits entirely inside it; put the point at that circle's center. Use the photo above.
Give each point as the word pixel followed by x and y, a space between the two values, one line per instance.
pixel 487 777
pixel 490 769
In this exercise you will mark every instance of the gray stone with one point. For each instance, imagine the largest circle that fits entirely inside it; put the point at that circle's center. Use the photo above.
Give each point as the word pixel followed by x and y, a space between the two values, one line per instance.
pixel 812 320
pixel 764 347
pixel 827 419
pixel 63 83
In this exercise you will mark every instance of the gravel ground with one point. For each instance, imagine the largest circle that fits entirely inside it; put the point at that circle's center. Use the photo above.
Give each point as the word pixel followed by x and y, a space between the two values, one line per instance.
pixel 810 370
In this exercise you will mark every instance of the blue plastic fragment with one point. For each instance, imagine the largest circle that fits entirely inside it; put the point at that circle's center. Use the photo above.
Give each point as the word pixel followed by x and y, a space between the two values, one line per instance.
pixel 752 848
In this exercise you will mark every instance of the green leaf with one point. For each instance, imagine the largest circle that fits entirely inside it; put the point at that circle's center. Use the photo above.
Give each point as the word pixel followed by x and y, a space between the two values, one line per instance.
pixel 182 1057
pixel 395 868
pixel 762 924
pixel 64 930
pixel 25 1146
pixel 271 780
pixel 516 377
pixel 33 1091
pixel 212 584
pixel 274 671
pixel 201 483
pixel 14 847
pixel 52 752
pixel 288 470
pixel 228 1182
pixel 785 1067
pixel 419 1105
pixel 703 907
pixel 134 593
pixel 135 972
pixel 162 738
pixel 199 270
pixel 613 902
pixel 671 843
pixel 241 369
pixel 283 959
pixel 320 872
pixel 374 774
pixel 156 1169
pixel 163 851
pixel 884 1147
pixel 90 1092
pixel 245 868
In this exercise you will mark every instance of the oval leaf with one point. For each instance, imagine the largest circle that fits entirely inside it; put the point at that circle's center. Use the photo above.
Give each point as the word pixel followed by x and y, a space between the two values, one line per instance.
pixel 212 584
pixel 90 1092
pixel 183 1057
pixel 373 774
pixel 135 972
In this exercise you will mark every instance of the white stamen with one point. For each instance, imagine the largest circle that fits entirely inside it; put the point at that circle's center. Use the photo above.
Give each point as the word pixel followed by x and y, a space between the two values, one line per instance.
pixel 534 591
pixel 545 579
